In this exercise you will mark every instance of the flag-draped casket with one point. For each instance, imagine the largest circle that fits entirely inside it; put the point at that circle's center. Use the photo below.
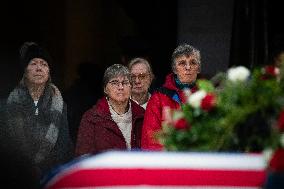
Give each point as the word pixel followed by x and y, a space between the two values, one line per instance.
pixel 117 170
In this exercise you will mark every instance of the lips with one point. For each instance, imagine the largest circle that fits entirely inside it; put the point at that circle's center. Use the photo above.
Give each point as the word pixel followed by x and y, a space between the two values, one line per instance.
pixel 137 87
pixel 188 73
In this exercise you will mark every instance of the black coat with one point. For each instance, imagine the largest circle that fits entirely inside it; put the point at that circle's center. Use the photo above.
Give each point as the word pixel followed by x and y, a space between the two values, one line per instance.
pixel 40 138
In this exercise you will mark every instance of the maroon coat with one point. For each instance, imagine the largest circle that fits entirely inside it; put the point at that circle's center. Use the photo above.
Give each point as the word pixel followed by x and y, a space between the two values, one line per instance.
pixel 98 132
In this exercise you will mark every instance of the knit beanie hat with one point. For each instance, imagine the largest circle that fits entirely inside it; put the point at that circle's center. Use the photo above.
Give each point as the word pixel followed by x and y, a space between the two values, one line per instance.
pixel 30 50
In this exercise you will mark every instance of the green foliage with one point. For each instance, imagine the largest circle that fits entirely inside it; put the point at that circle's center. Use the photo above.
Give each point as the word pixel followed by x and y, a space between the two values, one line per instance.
pixel 205 85
pixel 226 126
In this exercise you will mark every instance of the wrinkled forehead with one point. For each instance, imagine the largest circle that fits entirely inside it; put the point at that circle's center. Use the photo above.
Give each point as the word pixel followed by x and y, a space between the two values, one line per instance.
pixel 37 60
pixel 139 68
pixel 118 78
pixel 186 58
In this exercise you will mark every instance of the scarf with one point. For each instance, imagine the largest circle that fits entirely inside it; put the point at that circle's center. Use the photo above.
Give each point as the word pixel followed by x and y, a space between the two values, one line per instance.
pixel 37 134
pixel 181 85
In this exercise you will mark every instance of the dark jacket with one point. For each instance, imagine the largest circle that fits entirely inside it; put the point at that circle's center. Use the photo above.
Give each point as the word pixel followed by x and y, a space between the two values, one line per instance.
pixel 169 95
pixel 98 132
pixel 43 137
pixel 19 171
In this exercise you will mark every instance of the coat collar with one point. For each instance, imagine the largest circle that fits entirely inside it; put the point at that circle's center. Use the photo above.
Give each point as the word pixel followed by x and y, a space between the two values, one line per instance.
pixel 20 96
pixel 102 109
pixel 171 84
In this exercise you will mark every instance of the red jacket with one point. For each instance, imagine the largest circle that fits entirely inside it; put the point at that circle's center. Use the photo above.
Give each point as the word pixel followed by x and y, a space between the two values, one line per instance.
pixel 98 132
pixel 153 115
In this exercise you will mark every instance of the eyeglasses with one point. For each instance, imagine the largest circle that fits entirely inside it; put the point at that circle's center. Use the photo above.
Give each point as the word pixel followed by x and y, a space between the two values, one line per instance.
pixel 141 76
pixel 192 64
pixel 116 83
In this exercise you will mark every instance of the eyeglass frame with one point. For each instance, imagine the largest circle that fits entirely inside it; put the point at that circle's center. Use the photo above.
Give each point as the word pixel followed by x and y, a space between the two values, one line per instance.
pixel 140 76
pixel 116 83
pixel 192 64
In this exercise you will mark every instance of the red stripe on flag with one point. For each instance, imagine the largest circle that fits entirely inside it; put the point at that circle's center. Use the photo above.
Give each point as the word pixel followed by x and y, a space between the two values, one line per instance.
pixel 160 177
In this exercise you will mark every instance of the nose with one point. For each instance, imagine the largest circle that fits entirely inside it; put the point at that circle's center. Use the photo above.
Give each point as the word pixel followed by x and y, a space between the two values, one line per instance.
pixel 39 67
pixel 187 66
pixel 137 80
pixel 120 86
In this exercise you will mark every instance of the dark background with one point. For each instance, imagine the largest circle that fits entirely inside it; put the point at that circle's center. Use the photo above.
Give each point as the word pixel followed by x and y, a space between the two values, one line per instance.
pixel 98 33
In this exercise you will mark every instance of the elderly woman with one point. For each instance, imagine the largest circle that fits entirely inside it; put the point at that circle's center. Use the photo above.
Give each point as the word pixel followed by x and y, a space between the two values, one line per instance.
pixel 185 67
pixel 115 122
pixel 35 117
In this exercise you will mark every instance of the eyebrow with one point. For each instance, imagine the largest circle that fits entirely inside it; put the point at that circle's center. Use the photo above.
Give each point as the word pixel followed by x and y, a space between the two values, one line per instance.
pixel 139 73
pixel 116 80
pixel 181 61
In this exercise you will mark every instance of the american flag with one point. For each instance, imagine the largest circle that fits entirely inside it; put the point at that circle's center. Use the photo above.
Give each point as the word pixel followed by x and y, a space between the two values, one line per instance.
pixel 161 170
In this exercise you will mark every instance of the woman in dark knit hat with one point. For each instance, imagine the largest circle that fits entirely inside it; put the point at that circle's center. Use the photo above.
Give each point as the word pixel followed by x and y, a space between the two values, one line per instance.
pixel 36 118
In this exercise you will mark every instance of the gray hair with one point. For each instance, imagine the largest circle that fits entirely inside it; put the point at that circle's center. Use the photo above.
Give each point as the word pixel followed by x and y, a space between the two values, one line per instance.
pixel 113 71
pixel 138 60
pixel 185 50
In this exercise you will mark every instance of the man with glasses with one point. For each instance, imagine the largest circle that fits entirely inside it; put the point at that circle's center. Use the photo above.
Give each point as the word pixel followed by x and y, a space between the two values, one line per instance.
pixel 141 78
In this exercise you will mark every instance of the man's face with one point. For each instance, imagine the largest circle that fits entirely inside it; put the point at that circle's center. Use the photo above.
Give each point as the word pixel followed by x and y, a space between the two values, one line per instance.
pixel 37 71
pixel 141 78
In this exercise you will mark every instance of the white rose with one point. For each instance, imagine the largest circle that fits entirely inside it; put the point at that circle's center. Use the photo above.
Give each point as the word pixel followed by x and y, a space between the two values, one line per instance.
pixel 187 93
pixel 195 99
pixel 239 73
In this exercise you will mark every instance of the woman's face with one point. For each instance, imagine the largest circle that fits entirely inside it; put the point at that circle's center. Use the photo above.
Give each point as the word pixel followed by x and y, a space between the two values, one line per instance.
pixel 37 71
pixel 118 89
pixel 186 68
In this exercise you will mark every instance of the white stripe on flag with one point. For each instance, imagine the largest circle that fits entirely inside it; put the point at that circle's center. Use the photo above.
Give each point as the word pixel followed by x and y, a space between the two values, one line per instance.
pixel 224 161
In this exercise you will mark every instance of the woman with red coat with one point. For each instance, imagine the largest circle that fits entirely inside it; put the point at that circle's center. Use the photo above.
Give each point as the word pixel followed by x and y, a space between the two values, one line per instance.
pixel 115 122
pixel 185 66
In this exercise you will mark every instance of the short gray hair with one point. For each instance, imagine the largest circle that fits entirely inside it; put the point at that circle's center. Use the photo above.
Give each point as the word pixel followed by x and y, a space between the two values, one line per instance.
pixel 113 71
pixel 138 60
pixel 185 50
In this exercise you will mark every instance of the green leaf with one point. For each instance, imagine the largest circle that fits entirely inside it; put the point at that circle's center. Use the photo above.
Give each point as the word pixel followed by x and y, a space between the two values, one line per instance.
pixel 205 85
